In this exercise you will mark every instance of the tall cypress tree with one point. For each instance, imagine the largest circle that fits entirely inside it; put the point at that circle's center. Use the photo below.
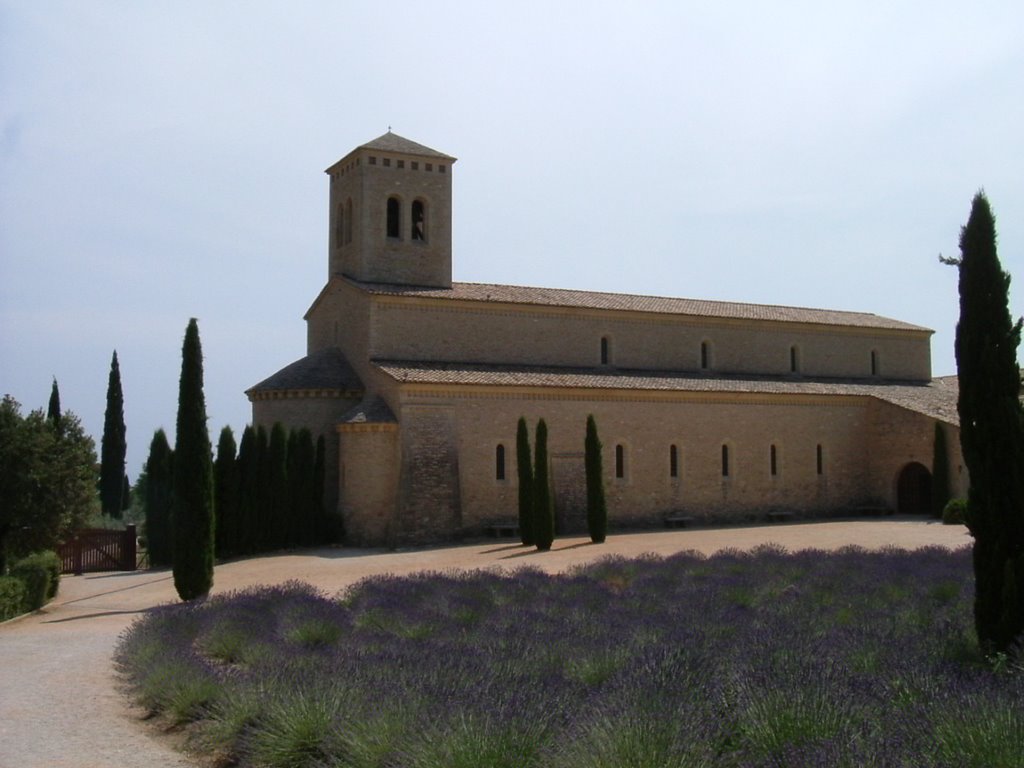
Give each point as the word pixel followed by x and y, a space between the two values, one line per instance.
pixel 225 495
pixel 248 506
pixel 277 465
pixel 159 494
pixel 524 468
pixel 597 508
pixel 325 531
pixel 263 540
pixel 543 509
pixel 302 482
pixel 991 435
pixel 193 520
pixel 940 471
pixel 53 408
pixel 113 447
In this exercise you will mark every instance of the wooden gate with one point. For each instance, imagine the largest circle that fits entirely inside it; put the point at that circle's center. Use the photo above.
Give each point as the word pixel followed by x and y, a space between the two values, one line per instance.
pixel 98 549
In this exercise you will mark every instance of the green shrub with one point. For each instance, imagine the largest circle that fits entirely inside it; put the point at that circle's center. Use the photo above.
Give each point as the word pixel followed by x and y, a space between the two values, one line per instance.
pixel 955 512
pixel 34 573
pixel 12 597
pixel 51 563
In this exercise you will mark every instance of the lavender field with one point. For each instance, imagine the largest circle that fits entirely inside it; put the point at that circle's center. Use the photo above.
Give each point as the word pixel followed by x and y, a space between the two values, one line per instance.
pixel 851 658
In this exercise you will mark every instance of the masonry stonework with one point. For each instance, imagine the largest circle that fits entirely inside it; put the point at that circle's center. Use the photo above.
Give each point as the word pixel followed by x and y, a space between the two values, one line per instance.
pixel 422 380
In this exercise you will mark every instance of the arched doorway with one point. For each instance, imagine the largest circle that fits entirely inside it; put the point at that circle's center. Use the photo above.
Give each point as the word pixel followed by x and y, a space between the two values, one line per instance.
pixel 914 490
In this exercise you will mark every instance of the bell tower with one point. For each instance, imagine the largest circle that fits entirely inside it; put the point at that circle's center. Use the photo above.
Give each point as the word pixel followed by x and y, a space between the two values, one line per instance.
pixel 391 214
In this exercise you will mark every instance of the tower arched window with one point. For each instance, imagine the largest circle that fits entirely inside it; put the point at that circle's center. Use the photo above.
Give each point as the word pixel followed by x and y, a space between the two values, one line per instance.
pixel 419 220
pixel 394 218
pixel 348 221
pixel 339 225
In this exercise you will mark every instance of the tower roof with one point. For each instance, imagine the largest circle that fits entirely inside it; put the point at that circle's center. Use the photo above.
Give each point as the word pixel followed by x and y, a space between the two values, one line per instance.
pixel 392 142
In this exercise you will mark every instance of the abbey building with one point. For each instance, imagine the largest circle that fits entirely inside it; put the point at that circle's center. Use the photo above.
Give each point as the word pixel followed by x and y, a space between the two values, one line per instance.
pixel 708 409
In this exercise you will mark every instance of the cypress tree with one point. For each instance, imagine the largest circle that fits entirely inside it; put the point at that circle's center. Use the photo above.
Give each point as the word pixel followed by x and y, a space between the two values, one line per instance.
pixel 113 445
pixel 159 483
pixel 248 507
pixel 302 482
pixel 323 527
pixel 53 408
pixel 597 508
pixel 940 471
pixel 225 495
pixel 126 494
pixel 543 509
pixel 525 472
pixel 277 465
pixel 991 435
pixel 193 520
pixel 262 541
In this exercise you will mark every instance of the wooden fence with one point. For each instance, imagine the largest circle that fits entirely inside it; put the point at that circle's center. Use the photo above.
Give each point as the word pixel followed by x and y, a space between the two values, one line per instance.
pixel 98 549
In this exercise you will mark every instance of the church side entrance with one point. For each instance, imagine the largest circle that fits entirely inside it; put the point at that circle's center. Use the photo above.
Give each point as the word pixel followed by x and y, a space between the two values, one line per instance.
pixel 914 490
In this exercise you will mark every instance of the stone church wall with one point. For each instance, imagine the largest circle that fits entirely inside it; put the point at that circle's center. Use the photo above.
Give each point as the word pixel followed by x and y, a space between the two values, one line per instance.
pixel 646 429
pixel 415 330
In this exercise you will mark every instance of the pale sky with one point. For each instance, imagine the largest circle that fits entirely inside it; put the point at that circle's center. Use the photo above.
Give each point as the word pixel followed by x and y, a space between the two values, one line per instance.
pixel 164 160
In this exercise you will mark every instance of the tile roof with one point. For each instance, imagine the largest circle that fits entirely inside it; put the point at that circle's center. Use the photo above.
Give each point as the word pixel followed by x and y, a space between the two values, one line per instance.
pixel 559 297
pixel 936 398
pixel 392 142
pixel 326 369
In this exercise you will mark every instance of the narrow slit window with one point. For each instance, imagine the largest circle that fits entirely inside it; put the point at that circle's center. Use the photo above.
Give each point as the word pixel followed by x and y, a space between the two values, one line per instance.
pixel 604 350
pixel 673 461
pixel 820 459
pixel 620 461
pixel 773 461
pixel 794 362
pixel 499 462
pixel 874 362
pixel 725 461
pixel 705 356
pixel 394 218
pixel 419 222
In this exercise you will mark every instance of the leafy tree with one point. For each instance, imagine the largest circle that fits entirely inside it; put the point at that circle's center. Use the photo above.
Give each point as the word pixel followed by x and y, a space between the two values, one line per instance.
pixel 47 483
pixel 53 409
pixel 991 435
pixel 113 446
pixel 193 521
pixel 543 509
pixel 940 471
pixel 525 471
pixel 225 495
pixel 159 489
pixel 597 508
pixel 277 466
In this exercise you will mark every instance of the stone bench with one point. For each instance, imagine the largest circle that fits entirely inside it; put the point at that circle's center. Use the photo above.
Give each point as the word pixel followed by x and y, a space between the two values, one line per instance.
pixel 678 521
pixel 502 530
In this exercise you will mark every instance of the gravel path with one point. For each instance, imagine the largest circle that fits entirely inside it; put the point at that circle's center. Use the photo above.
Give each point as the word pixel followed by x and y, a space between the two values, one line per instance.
pixel 59 701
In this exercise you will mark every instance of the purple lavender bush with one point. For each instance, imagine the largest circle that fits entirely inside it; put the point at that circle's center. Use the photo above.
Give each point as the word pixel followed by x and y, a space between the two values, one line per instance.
pixel 766 658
